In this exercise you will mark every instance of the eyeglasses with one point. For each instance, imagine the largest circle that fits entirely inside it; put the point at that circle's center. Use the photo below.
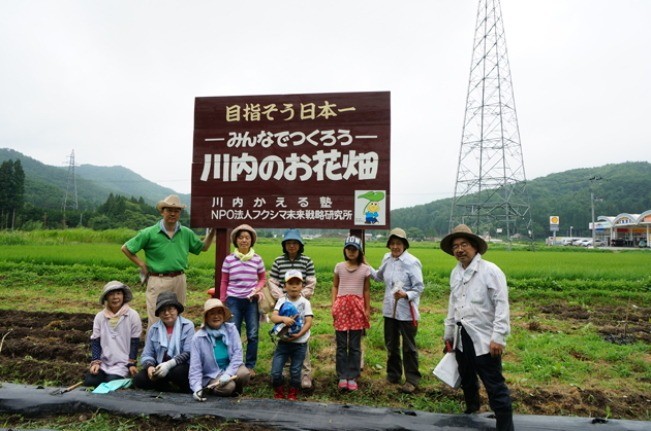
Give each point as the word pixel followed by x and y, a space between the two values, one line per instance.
pixel 462 245
pixel 170 309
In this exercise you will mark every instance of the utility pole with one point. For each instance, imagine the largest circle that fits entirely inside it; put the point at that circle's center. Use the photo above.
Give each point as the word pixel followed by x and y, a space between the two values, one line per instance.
pixel 490 190
pixel 592 179
pixel 594 229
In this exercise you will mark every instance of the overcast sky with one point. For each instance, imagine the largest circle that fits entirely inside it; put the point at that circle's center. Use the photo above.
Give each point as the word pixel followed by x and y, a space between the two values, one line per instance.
pixel 115 81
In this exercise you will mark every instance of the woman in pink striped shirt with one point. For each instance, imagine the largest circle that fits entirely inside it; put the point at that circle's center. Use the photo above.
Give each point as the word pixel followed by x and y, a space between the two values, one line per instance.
pixel 243 277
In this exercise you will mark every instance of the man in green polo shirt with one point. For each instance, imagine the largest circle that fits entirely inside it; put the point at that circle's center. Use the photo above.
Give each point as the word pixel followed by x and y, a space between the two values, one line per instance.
pixel 166 245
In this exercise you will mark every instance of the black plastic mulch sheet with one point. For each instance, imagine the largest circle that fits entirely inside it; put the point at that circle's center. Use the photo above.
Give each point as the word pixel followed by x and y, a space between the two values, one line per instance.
pixel 280 414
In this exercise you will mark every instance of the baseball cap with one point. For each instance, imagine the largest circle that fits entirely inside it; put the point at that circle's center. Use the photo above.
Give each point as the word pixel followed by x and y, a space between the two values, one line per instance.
pixel 293 273
pixel 354 241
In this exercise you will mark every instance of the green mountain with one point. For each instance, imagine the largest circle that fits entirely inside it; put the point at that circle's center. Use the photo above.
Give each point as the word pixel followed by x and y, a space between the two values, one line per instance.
pixel 45 186
pixel 617 188
pixel 125 182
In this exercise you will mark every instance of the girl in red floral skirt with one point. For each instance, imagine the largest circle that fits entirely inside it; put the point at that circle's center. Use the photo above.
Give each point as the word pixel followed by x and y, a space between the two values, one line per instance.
pixel 351 311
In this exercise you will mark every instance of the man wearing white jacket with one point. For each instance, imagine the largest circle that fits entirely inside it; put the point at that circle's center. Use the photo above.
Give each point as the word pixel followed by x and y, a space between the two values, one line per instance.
pixel 478 313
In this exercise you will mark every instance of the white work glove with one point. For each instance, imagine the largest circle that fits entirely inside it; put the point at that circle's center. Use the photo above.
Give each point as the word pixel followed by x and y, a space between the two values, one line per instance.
pixel 223 379
pixel 199 395
pixel 164 368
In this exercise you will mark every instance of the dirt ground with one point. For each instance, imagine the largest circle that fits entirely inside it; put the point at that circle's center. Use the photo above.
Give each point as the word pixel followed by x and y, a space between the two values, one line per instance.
pixel 53 349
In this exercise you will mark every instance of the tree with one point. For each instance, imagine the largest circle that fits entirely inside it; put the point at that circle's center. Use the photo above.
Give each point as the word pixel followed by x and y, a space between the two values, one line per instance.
pixel 6 169
pixel 100 222
pixel 415 233
pixel 12 192
pixel 17 191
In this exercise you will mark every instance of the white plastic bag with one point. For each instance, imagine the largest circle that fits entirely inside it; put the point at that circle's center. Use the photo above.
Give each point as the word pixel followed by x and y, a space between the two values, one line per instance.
pixel 448 370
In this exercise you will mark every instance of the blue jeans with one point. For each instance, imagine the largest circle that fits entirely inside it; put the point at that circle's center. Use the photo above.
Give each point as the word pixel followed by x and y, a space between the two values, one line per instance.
pixel 247 311
pixel 295 352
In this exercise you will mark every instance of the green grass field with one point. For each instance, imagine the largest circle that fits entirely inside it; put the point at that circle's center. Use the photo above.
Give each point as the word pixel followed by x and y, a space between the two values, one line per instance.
pixel 553 350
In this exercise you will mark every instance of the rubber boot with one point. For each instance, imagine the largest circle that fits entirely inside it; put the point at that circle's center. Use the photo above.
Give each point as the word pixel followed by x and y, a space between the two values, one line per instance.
pixel 504 421
pixel 279 393
pixel 473 402
pixel 292 395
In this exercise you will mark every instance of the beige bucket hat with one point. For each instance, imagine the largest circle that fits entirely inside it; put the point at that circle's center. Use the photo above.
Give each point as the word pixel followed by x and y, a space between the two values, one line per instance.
pixel 216 303
pixel 398 233
pixel 247 228
pixel 115 285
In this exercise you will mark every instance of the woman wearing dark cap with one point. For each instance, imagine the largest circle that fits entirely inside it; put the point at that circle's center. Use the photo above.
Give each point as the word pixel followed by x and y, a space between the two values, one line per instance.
pixel 293 257
pixel 243 277
pixel 402 274
pixel 165 359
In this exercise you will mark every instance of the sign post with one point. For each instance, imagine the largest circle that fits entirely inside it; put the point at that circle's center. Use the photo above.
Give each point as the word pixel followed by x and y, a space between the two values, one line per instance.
pixel 291 161
pixel 554 224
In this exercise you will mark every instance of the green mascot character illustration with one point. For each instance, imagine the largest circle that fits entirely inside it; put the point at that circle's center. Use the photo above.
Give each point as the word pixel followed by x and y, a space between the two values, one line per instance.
pixel 372 208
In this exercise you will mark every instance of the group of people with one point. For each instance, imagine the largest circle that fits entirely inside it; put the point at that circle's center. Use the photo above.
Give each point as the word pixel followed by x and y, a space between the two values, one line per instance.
pixel 175 358
pixel 212 360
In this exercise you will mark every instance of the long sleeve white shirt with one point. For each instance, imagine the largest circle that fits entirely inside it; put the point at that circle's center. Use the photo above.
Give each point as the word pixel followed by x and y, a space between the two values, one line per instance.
pixel 408 272
pixel 479 299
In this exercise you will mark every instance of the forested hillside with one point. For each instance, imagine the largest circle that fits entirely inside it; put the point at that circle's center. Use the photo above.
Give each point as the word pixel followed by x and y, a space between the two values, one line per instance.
pixel 45 186
pixel 107 197
pixel 618 188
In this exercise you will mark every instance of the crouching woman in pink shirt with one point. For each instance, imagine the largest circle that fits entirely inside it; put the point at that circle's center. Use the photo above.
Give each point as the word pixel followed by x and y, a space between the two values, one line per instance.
pixel 115 338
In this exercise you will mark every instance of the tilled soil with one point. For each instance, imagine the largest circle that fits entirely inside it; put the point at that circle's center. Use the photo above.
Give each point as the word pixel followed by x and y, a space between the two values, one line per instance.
pixel 618 324
pixel 53 349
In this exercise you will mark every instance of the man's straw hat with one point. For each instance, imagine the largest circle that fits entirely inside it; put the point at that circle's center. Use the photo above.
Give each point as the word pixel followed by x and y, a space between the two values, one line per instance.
pixel 463 231
pixel 172 201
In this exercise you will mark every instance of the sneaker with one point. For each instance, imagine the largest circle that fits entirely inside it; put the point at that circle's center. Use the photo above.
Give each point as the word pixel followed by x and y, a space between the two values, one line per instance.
pixel 306 382
pixel 408 388
pixel 352 385
pixel 279 393
pixel 292 395
pixel 343 384
pixel 393 380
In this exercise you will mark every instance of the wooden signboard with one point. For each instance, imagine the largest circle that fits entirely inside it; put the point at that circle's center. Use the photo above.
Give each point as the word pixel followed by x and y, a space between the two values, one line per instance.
pixel 293 160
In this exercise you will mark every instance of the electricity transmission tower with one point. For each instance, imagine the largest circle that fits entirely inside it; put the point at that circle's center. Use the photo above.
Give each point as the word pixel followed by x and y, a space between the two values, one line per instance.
pixel 71 188
pixel 490 192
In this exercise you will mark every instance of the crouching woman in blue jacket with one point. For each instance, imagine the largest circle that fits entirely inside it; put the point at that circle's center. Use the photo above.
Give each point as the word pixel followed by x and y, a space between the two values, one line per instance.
pixel 166 357
pixel 216 365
